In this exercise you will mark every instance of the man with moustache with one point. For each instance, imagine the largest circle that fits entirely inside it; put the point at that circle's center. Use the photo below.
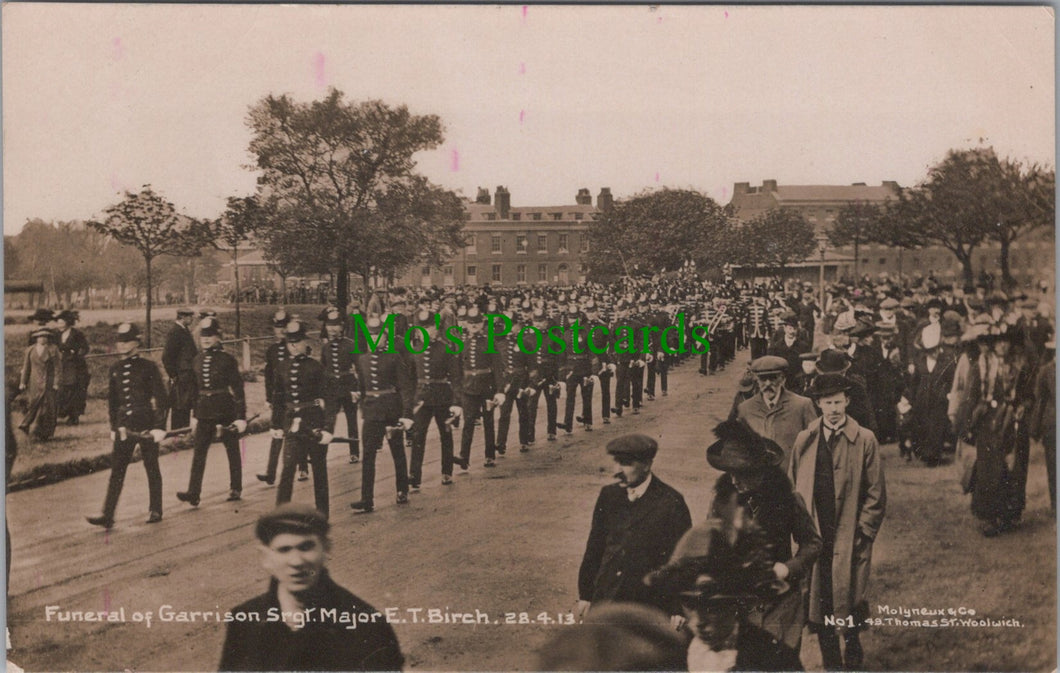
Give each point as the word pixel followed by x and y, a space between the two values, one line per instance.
pixel 775 412
pixel 636 524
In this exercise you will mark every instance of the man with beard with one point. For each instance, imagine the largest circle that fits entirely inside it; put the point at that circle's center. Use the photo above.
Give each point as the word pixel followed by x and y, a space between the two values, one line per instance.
pixel 636 524
pixel 775 412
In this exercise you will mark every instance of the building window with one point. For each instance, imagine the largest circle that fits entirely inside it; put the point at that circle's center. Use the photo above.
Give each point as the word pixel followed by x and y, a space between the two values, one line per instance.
pixel 865 260
pixel 585 243
pixel 520 273
pixel 883 260
pixel 557 216
pixel 472 273
pixel 521 244
pixel 467 216
pixel 517 216
pixel 495 245
pixel 426 272
pixel 579 216
pixel 542 273
pixel 496 273
pixel 563 243
pixel 537 216
pixel 542 243
pixel 472 245
pixel 491 216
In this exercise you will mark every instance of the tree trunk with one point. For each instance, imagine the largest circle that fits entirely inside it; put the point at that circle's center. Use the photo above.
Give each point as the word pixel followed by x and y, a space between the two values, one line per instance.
pixel 283 288
pixel 857 258
pixel 235 267
pixel 966 269
pixel 342 281
pixel 147 331
pixel 1007 281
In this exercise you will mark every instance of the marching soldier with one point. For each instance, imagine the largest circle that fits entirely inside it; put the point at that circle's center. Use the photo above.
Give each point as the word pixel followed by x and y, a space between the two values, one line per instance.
pixel 276 358
pixel 387 386
pixel 516 375
pixel 483 382
pixel 136 400
pixel 298 417
pixel 758 328
pixel 657 364
pixel 220 409
pixel 544 379
pixel 437 377
pixel 605 371
pixel 579 368
pixel 177 357
pixel 340 377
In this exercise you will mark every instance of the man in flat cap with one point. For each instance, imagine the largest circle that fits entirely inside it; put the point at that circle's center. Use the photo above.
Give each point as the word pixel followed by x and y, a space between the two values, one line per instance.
pixel 177 357
pixel 836 469
pixel 314 633
pixel 775 412
pixel 636 523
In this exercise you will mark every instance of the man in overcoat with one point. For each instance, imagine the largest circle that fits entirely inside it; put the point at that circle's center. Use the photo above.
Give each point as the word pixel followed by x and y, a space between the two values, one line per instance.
pixel 177 359
pixel 773 411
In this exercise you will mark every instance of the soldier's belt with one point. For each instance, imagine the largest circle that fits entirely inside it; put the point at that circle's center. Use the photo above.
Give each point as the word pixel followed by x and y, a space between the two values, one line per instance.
pixel 429 380
pixel 486 370
pixel 297 408
pixel 380 393
pixel 214 393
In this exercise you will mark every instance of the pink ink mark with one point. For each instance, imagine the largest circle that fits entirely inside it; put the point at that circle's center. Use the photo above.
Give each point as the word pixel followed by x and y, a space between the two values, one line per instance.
pixel 522 68
pixel 522 116
pixel 106 536
pixel 106 600
pixel 660 20
pixel 318 69
pixel 726 15
pixel 118 50
pixel 656 176
pixel 524 12
pixel 455 163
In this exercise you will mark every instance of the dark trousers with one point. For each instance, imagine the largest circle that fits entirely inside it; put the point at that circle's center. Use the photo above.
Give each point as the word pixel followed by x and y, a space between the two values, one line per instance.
pixel 605 393
pixel 504 419
pixel 630 380
pixel 575 381
pixel 373 433
pixel 421 423
pixel 275 446
pixel 297 447
pixel 204 436
pixel 179 418
pixel 1049 442
pixel 551 409
pixel 759 345
pixel 475 408
pixel 657 368
pixel 343 403
pixel 119 462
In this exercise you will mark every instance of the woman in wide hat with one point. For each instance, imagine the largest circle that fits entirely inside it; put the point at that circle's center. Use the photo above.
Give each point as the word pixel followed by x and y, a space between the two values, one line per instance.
pixel 755 482
pixel 39 382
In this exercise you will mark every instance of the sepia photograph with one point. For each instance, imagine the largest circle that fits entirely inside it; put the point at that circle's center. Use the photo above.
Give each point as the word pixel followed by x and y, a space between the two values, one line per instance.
pixel 529 337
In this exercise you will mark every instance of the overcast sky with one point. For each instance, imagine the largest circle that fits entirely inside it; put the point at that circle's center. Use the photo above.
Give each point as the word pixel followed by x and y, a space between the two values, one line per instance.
pixel 544 100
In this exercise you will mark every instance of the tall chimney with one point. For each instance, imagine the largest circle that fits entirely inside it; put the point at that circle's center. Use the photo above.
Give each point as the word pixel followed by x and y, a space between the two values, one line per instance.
pixel 502 202
pixel 483 196
pixel 741 188
pixel 604 200
pixel 584 197
pixel 893 185
pixel 769 186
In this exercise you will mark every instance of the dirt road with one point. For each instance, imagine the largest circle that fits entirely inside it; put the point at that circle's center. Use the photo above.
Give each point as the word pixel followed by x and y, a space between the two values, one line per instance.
pixel 503 542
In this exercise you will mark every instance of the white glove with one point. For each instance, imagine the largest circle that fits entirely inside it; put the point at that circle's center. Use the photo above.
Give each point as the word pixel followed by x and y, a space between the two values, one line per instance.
pixel 276 433
pixel 781 571
pixel 194 423
pixel 325 437
pixel 660 355
pixel 498 399
pixel 912 368
pixel 123 434
pixel 611 367
pixel 158 435
pixel 355 396
pixel 456 411
pixel 649 358
pixel 241 425
pixel 113 435
pixel 405 423
pixel 640 363
pixel 296 424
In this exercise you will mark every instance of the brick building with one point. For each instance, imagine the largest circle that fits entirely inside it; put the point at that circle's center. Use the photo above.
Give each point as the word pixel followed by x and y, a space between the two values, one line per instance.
pixel 515 245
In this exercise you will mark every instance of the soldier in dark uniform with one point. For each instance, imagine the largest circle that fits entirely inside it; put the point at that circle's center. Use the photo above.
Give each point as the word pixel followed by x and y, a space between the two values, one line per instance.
pixel 578 369
pixel 543 380
pixel 276 358
pixel 387 386
pixel 177 359
pixel 298 416
pixel 516 375
pixel 73 382
pixel 636 524
pixel 136 399
pixel 606 369
pixel 437 377
pixel 220 404
pixel 483 382
pixel 340 376
pixel 658 365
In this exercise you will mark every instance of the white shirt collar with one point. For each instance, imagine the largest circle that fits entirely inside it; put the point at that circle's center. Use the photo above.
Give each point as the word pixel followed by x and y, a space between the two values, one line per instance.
pixel 636 493
pixel 702 659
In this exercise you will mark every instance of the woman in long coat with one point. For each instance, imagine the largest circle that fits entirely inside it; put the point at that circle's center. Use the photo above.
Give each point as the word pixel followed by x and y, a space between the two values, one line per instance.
pixel 1000 393
pixel 41 372
pixel 73 384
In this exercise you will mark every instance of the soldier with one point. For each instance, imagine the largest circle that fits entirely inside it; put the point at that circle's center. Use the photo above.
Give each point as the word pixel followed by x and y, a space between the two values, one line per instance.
pixel 543 379
pixel 177 357
pixel 579 366
pixel 136 399
pixel 387 385
pixel 220 409
pixel 657 364
pixel 437 377
pixel 483 381
pixel 758 329
pixel 599 332
pixel 298 416
pixel 340 379
pixel 516 375
pixel 275 358
pixel 73 384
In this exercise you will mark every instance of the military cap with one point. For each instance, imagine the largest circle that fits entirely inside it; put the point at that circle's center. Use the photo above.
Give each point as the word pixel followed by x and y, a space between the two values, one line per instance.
pixel 890 304
pixel 832 361
pixel 473 315
pixel 636 447
pixel 741 449
pixel 184 311
pixel 768 364
pixel 828 384
pixel 333 317
pixel 209 327
pixel 539 314
pixel 935 302
pixel 128 332
pixel 294 518
pixel 424 318
pixel 280 318
pixel 294 330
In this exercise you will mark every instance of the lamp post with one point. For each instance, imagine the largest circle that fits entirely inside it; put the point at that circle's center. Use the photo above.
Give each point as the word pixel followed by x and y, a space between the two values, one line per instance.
pixel 822 245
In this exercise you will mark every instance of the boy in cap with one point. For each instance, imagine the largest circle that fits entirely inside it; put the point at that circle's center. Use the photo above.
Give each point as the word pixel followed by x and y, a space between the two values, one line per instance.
pixel 636 523
pixel 136 399
pixel 220 408
pixel 312 635
pixel 177 357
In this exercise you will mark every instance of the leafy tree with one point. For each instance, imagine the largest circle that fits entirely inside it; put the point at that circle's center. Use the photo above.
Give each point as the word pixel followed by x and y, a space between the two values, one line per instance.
pixel 774 239
pixel 658 231
pixel 333 167
pixel 150 224
pixel 856 223
pixel 64 256
pixel 1025 200
pixel 237 224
